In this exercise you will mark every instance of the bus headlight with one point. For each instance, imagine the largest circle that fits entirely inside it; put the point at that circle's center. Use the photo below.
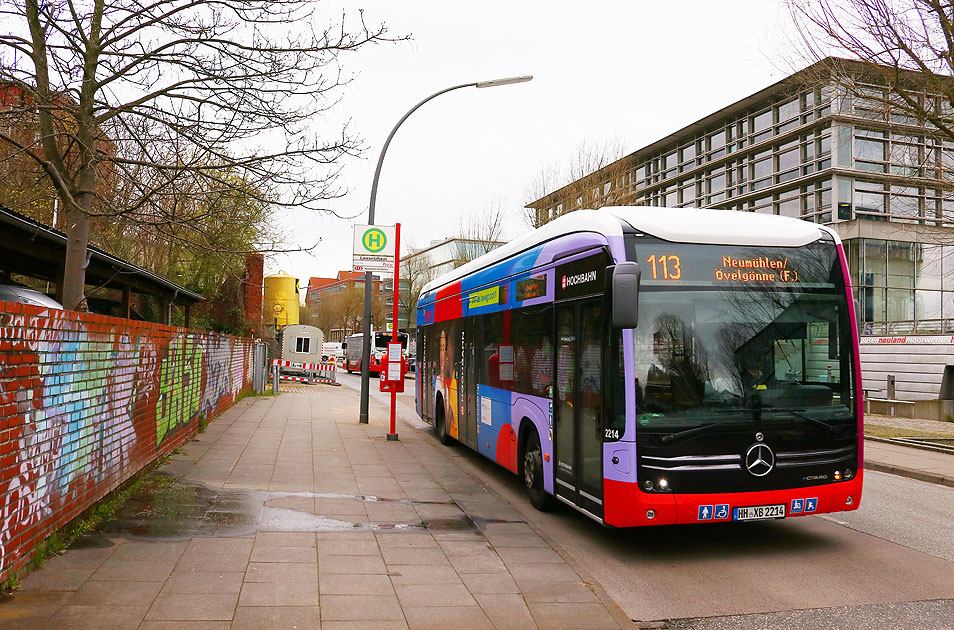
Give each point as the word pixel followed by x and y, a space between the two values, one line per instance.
pixel 648 485
pixel 663 484
pixel 847 474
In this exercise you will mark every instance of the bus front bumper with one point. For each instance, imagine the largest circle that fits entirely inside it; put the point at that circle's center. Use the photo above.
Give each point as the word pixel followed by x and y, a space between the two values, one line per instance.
pixel 625 505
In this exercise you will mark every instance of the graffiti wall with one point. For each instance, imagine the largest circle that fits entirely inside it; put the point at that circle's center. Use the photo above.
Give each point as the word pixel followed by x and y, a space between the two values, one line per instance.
pixel 86 401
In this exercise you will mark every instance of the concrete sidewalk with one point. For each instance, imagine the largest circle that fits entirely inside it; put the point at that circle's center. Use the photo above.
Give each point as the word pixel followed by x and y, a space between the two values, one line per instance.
pixel 286 513
pixel 907 461
pixel 891 457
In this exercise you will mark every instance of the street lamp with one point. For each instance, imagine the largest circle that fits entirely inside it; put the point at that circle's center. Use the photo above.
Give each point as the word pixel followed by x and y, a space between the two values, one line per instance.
pixel 366 346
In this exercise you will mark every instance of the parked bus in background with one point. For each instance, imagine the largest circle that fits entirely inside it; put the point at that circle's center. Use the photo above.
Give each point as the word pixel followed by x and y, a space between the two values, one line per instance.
pixel 352 350
pixel 654 366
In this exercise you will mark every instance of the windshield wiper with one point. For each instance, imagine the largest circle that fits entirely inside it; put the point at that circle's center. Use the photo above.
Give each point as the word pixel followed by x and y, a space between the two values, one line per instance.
pixel 795 412
pixel 669 438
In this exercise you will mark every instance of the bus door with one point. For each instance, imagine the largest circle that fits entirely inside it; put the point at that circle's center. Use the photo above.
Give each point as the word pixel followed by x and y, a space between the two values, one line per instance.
pixel 577 405
pixel 467 431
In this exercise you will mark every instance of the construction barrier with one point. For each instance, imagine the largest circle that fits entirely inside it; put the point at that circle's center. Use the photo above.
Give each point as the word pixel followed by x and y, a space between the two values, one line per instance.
pixel 323 372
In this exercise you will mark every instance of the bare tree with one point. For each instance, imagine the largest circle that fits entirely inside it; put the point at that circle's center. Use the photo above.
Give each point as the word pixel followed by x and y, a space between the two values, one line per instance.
pixel 344 310
pixel 149 97
pixel 903 46
pixel 416 271
pixel 594 175
pixel 478 232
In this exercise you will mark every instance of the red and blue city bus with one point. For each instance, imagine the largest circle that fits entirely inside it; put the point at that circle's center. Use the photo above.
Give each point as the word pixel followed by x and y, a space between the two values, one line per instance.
pixel 654 366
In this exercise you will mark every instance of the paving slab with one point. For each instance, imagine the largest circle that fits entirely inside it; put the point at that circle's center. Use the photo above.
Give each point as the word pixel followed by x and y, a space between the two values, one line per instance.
pixel 298 517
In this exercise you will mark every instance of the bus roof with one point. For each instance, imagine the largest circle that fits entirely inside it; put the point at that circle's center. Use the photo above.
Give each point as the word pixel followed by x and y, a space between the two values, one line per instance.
pixel 687 225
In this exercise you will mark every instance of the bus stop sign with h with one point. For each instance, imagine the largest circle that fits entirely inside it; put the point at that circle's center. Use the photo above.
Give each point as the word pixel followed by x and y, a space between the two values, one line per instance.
pixel 377 248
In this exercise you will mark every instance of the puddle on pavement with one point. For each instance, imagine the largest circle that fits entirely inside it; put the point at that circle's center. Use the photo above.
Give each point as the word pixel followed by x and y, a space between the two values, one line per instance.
pixel 170 509
pixel 93 540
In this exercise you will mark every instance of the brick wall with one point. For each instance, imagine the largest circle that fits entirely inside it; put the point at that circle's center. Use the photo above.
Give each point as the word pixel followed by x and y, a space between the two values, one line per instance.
pixel 86 401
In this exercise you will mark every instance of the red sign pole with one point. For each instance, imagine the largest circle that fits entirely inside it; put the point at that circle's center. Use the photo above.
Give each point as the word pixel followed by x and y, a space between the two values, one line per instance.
pixel 392 435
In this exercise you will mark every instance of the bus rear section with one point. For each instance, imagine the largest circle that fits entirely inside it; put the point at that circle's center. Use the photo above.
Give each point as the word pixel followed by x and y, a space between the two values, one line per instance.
pixel 655 366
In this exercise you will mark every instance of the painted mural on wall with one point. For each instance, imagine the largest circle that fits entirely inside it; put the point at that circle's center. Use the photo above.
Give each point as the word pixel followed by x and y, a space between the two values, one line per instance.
pixel 86 401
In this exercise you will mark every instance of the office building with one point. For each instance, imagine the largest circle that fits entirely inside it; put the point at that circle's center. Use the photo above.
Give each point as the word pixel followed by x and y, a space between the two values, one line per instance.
pixel 831 145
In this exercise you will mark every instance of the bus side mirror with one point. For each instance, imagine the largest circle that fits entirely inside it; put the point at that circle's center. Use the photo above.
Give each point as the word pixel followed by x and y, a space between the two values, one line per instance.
pixel 625 296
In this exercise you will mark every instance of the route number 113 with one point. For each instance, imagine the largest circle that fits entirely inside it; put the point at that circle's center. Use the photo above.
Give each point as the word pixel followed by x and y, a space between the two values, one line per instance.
pixel 668 267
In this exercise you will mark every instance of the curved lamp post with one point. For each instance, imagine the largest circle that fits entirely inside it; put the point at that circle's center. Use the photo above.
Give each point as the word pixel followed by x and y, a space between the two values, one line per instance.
pixel 366 347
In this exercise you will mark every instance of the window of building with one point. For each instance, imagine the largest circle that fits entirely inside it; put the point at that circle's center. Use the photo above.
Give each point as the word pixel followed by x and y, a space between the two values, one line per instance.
pixel 824 201
pixel 901 265
pixel 789 207
pixel 905 204
pixel 689 154
pixel 687 191
pixel 869 201
pixel 808 203
pixel 787 110
pixel 670 197
pixel 763 205
pixel 808 100
pixel 761 170
pixel 787 163
pixel 303 345
pixel 928 267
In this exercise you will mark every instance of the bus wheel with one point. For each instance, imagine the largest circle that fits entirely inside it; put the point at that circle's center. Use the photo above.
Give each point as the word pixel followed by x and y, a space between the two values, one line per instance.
pixel 533 474
pixel 443 432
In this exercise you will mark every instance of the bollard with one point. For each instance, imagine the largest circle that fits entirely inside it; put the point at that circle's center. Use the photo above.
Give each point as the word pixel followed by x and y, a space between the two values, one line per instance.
pixel 274 380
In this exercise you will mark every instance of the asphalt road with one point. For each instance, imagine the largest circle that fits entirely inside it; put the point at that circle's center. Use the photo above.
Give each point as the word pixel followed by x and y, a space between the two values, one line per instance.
pixel 890 564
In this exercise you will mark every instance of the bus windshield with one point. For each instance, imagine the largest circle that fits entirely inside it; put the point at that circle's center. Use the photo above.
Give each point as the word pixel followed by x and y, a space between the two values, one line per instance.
pixel 732 335
pixel 381 340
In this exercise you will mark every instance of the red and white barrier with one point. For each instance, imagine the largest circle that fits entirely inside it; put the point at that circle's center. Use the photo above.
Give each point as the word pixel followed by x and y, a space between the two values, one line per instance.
pixel 324 366
pixel 326 371
pixel 305 379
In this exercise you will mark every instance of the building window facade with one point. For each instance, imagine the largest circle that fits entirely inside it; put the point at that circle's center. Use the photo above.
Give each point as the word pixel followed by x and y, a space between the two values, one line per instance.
pixel 830 155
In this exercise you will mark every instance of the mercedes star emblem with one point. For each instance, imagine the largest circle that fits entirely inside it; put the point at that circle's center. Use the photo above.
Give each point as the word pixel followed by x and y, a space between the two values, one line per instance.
pixel 759 460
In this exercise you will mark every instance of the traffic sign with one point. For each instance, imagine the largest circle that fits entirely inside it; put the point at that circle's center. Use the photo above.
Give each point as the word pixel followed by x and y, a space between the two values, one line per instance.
pixel 373 248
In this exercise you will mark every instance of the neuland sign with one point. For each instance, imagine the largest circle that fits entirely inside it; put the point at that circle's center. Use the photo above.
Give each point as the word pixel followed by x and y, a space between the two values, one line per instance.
pixel 935 340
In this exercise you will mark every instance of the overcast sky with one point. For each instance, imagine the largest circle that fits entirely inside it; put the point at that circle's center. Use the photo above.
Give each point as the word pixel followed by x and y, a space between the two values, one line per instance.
pixel 626 70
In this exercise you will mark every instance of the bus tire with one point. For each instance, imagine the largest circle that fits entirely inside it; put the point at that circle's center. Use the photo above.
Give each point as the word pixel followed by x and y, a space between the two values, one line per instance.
pixel 533 473
pixel 443 431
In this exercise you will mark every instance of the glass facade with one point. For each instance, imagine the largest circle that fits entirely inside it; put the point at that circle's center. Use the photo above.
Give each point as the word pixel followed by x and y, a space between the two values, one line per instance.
pixel 826 155
pixel 902 286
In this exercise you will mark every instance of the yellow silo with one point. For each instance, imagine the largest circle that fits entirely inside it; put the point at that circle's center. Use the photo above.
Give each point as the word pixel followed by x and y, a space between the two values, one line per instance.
pixel 281 300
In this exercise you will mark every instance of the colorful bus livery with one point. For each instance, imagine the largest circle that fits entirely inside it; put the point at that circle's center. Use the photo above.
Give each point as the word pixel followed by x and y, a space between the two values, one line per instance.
pixel 654 366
